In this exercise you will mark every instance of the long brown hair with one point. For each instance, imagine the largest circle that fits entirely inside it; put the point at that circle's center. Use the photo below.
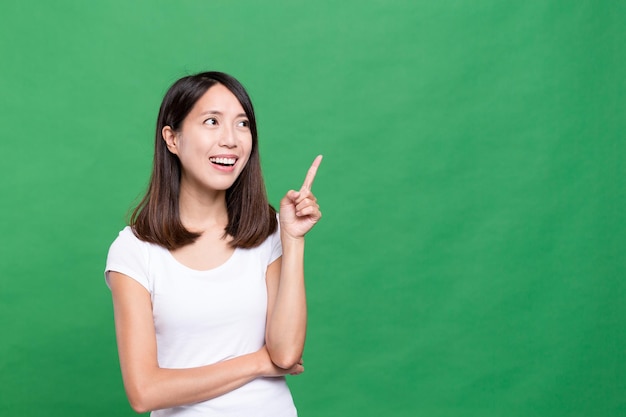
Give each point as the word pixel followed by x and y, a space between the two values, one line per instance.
pixel 251 219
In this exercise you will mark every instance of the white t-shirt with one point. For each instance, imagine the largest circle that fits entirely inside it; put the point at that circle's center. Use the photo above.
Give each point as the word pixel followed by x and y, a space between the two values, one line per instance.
pixel 204 317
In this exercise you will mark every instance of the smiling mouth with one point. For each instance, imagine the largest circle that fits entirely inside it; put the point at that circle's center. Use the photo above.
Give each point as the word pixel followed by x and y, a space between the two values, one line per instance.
pixel 225 162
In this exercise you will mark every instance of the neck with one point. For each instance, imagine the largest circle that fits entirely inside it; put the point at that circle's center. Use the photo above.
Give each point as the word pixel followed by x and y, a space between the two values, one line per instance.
pixel 201 211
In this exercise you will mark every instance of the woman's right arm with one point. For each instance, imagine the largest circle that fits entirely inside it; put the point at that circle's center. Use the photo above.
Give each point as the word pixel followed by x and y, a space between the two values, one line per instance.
pixel 150 387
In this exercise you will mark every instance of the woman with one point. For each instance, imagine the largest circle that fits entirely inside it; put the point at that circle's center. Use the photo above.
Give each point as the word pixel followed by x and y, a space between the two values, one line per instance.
pixel 208 289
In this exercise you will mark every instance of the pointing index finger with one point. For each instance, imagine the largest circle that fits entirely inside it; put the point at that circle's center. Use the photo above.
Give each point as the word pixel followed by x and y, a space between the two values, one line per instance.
pixel 310 175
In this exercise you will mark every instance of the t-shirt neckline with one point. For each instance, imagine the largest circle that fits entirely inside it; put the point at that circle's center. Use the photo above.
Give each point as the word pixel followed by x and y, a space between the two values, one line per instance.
pixel 202 271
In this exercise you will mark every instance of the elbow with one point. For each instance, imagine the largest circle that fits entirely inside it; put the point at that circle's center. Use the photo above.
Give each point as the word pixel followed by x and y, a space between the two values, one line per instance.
pixel 285 352
pixel 139 408
pixel 138 399
pixel 138 404
pixel 286 360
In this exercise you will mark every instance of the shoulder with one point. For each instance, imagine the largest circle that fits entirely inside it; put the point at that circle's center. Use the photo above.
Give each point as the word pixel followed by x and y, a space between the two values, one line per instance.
pixel 273 244
pixel 126 240
pixel 129 255
pixel 268 250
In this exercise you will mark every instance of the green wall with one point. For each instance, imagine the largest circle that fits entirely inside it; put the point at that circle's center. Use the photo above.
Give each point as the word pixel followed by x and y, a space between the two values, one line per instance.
pixel 471 257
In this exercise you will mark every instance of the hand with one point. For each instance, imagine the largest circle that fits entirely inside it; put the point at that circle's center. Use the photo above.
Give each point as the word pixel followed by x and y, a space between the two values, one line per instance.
pixel 269 369
pixel 299 210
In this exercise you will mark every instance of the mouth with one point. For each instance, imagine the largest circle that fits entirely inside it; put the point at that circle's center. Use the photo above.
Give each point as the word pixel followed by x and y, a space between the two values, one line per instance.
pixel 223 161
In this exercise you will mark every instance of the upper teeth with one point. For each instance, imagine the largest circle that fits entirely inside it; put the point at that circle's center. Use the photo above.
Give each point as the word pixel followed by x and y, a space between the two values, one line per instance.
pixel 229 161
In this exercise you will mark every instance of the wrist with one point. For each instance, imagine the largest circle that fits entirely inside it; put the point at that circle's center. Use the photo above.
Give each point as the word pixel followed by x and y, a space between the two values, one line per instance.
pixel 288 240
pixel 259 360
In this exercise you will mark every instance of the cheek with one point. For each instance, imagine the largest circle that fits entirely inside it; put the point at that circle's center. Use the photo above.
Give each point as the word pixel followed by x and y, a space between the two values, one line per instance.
pixel 247 156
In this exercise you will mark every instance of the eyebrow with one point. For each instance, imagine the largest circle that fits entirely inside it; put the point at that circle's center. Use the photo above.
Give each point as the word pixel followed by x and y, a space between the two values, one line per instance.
pixel 207 112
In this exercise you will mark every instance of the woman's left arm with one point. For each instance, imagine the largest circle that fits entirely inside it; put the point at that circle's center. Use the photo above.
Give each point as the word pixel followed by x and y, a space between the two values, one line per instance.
pixel 286 312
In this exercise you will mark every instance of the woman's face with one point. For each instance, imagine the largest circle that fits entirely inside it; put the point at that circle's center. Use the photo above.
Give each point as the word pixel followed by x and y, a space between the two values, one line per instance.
pixel 214 141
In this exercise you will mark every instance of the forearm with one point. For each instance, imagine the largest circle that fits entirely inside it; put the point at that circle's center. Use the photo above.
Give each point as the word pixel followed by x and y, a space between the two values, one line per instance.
pixel 286 328
pixel 157 388
pixel 287 315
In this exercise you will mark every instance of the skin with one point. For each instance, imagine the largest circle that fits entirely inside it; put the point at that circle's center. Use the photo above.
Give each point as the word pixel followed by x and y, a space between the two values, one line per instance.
pixel 216 126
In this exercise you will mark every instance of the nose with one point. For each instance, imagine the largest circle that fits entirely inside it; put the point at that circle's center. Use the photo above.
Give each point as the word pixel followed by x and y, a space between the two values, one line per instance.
pixel 227 137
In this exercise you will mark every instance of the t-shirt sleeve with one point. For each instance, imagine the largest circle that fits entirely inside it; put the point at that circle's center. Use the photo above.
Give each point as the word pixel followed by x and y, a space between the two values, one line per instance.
pixel 276 250
pixel 129 256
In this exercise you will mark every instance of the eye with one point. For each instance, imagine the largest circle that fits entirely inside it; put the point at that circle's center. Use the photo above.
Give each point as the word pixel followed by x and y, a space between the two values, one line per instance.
pixel 211 121
pixel 243 123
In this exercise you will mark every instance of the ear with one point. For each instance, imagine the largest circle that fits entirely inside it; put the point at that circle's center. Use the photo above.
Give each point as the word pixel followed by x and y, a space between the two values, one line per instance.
pixel 171 139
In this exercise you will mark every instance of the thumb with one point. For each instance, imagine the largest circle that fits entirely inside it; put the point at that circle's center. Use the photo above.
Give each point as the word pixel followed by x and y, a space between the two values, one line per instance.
pixel 290 197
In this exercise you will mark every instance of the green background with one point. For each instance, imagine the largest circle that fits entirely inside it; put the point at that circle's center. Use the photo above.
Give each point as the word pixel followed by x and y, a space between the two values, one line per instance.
pixel 470 261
